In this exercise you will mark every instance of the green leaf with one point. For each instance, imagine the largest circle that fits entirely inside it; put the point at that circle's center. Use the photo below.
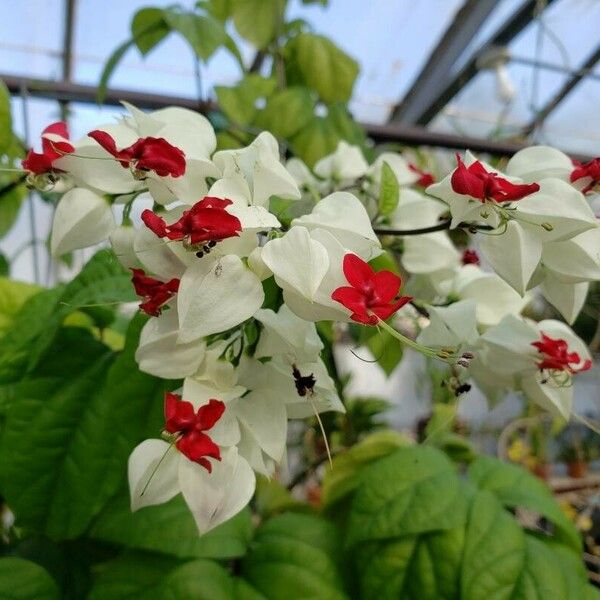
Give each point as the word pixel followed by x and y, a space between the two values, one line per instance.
pixel 200 580
pixel 10 201
pixel 386 350
pixel 133 575
pixel 66 440
pixel 220 9
pixel 318 138
pixel 149 27
pixel 5 119
pixel 169 528
pixel 414 490
pixel 256 20
pixel 102 281
pixel 494 552
pixel 413 568
pixel 515 487
pixel 292 559
pixel 204 33
pixel 315 61
pixel 239 103
pixel 271 498
pixel 347 128
pixel 4 265
pixel 13 295
pixel 389 191
pixel 24 580
pixel 286 112
pixel 343 478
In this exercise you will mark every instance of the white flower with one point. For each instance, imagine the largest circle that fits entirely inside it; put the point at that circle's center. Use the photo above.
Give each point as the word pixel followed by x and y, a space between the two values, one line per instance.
pixel 400 167
pixel 158 472
pixel 82 219
pixel 343 166
pixel 539 162
pixel 450 326
pixel 257 171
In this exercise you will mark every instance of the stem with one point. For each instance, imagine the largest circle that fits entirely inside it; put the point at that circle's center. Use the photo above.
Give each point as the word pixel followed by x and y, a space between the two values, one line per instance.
pixel 162 458
pixel 431 229
pixel 411 343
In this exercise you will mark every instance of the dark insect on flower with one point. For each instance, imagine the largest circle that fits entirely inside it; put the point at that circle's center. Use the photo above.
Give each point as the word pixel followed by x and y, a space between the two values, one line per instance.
pixel 304 383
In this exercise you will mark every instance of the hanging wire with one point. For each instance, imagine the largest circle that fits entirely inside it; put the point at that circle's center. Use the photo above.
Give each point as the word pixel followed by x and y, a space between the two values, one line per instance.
pixel 30 197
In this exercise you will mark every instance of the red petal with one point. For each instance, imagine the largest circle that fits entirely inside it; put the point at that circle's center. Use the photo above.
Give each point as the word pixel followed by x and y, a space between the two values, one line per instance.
pixel 105 140
pixel 37 163
pixel 156 154
pixel 196 445
pixel 512 191
pixel 385 311
pixel 358 273
pixel 465 182
pixel 209 414
pixel 352 299
pixel 179 414
pixel 155 223
pixel 212 202
pixel 386 286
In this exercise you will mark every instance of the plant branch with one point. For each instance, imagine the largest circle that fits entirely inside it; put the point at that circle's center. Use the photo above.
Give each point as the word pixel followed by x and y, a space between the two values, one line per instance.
pixel 444 225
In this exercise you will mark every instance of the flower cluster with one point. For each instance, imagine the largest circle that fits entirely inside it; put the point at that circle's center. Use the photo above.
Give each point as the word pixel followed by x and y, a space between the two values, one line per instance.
pixel 205 241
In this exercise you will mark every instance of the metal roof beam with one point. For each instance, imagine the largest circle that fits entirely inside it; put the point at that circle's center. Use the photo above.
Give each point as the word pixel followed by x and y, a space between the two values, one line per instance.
pixel 569 85
pixel 437 70
pixel 503 36
pixel 388 133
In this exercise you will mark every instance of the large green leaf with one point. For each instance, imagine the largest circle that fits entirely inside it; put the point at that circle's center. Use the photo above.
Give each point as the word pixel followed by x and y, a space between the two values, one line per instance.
pixel 286 112
pixel 103 281
pixel 204 33
pixel 343 478
pixel 200 580
pixel 256 20
pixel 414 490
pixel 24 580
pixel 133 575
pixel 170 528
pixel 386 350
pixel 66 441
pixel 292 558
pixel 13 295
pixel 318 138
pixel 412 568
pixel 494 551
pixel 149 27
pixel 11 200
pixel 238 103
pixel 315 61
pixel 515 487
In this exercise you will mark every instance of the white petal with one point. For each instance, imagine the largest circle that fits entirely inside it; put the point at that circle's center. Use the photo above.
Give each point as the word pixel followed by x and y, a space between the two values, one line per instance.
pixel 150 482
pixel 257 264
pixel 82 219
pixel 159 352
pixel 557 400
pixel 399 166
pixel 416 210
pixel 539 162
pixel 514 254
pixel 232 188
pixel 429 253
pixel 215 497
pixel 254 218
pixel 576 260
pixel 298 262
pixel 249 449
pixel 346 163
pixel 215 295
pixel 265 417
pixel 270 178
pixel 287 336
pixel 158 256
pixel 94 167
pixel 344 216
pixel 121 240
pixel 451 326
pixel 561 206
pixel 567 298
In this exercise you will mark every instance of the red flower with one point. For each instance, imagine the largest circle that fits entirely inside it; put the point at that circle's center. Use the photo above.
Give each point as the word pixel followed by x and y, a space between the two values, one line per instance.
pixel 478 183
pixel 425 177
pixel 189 426
pixel 206 221
pixel 470 257
pixel 147 154
pixel 42 162
pixel 373 296
pixel 556 356
pixel 590 169
pixel 154 291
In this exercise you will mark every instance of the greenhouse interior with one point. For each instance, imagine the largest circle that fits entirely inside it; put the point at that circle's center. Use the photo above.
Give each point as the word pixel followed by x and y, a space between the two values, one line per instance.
pixel 300 300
